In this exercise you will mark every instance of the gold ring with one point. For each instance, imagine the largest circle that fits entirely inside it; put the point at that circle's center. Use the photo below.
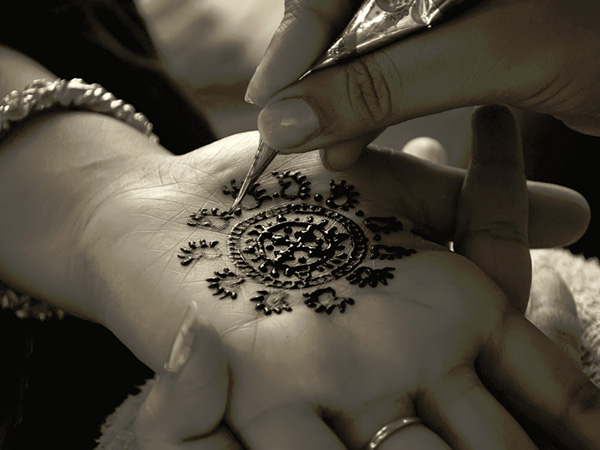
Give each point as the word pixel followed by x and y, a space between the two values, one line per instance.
pixel 391 428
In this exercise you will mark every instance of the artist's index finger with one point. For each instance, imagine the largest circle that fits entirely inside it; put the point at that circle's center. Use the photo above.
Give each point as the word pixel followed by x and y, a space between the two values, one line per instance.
pixel 306 31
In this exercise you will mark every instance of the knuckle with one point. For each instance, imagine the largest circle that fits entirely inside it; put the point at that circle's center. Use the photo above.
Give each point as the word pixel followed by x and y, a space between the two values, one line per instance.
pixel 293 8
pixel 323 17
pixel 498 230
pixel 316 9
pixel 368 90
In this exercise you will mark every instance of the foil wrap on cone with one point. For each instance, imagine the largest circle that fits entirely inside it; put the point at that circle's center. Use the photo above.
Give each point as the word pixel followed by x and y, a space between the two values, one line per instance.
pixel 379 22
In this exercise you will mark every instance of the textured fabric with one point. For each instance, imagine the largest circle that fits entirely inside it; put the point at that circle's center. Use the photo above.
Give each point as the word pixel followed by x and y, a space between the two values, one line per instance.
pixel 581 276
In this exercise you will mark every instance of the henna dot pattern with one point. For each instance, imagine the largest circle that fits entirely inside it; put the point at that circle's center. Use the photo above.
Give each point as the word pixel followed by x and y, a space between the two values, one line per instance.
pixel 196 250
pixel 364 276
pixel 269 302
pixel 225 283
pixel 326 300
pixel 293 185
pixel 296 246
pixel 256 194
pixel 341 195
pixel 389 252
pixel 215 219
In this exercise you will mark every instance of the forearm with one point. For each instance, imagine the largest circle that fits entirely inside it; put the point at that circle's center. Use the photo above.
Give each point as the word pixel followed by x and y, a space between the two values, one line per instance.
pixel 55 170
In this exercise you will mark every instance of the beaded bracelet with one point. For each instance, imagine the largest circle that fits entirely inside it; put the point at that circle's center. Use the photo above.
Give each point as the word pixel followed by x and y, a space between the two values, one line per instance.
pixel 51 95
pixel 76 94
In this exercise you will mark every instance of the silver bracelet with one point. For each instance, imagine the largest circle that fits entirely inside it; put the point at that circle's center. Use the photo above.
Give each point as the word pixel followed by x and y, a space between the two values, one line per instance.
pixel 75 94
pixel 51 95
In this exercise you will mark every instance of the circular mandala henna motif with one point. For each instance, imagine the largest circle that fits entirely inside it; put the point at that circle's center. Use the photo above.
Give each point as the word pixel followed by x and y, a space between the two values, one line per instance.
pixel 296 246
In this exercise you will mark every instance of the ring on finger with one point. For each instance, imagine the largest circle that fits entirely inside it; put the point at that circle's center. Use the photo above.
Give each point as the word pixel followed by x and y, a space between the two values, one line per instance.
pixel 387 430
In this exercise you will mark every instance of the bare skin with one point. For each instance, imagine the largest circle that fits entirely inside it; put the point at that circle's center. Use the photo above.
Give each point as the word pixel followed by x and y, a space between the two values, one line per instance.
pixel 330 381
pixel 102 216
pixel 537 55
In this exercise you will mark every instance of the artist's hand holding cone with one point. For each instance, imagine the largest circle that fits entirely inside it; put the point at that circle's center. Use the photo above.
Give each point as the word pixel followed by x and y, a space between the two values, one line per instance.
pixel 533 54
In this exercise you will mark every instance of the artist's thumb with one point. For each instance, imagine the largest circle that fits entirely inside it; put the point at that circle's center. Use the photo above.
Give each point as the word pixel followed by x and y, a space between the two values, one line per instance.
pixel 454 64
pixel 189 396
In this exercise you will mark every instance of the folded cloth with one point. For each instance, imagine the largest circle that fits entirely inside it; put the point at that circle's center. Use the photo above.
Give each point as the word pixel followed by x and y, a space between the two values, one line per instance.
pixel 565 305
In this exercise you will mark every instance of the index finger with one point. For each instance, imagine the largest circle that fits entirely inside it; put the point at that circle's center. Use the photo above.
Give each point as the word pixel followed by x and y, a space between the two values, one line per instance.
pixel 429 192
pixel 541 386
pixel 492 215
pixel 306 31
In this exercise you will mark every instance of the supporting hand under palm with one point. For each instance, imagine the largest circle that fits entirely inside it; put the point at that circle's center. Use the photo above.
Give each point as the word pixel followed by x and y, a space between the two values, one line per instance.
pixel 427 334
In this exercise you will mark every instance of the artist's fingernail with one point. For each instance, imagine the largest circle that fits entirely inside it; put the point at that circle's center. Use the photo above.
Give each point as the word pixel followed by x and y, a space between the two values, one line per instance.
pixel 287 123
pixel 184 340
pixel 251 93
pixel 248 96
pixel 254 94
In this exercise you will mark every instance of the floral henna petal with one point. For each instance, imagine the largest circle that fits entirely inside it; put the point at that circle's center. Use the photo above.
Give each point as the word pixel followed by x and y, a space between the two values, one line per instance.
pixel 226 283
pixel 326 300
pixel 364 276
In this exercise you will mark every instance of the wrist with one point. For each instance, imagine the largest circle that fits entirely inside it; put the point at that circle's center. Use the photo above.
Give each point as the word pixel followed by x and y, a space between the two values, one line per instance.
pixel 132 285
pixel 55 172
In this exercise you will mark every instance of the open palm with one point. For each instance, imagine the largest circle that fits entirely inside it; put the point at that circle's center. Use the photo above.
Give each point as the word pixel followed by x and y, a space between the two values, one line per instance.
pixel 337 313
